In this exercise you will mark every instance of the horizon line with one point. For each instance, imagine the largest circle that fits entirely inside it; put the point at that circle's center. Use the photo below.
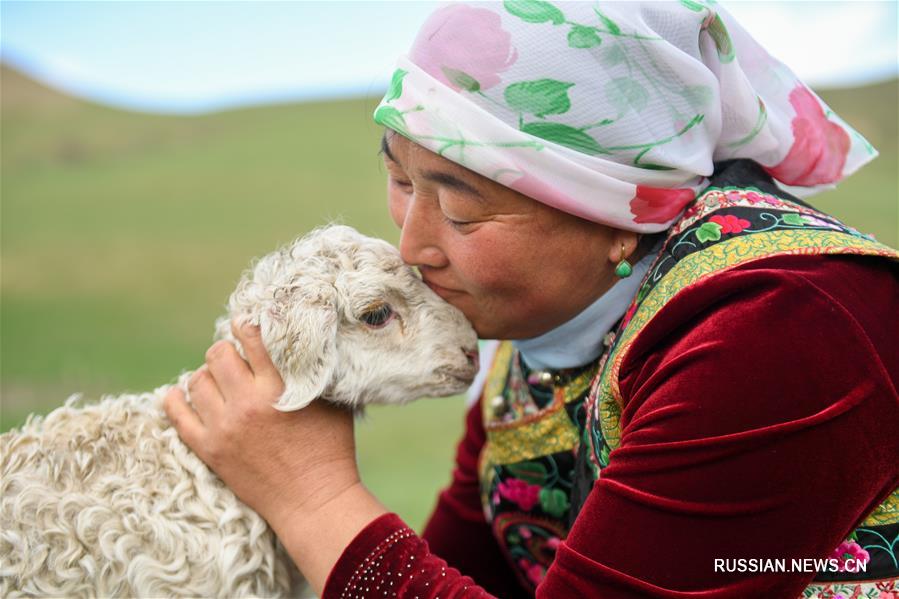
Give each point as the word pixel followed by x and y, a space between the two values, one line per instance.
pixel 262 99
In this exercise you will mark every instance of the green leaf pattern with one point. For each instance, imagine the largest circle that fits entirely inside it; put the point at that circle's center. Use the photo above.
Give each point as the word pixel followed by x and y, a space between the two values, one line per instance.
pixel 396 85
pixel 390 117
pixel 612 56
pixel 625 93
pixel 583 37
pixel 791 218
pixel 461 79
pixel 609 24
pixel 723 44
pixel 554 502
pixel 694 6
pixel 708 231
pixel 535 11
pixel 540 97
pixel 564 135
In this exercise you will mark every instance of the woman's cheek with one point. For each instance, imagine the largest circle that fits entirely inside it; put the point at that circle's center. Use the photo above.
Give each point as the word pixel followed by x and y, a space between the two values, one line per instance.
pixel 396 204
pixel 484 274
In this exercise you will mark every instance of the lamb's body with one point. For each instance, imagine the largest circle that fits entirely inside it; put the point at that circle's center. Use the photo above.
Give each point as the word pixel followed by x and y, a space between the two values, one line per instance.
pixel 105 500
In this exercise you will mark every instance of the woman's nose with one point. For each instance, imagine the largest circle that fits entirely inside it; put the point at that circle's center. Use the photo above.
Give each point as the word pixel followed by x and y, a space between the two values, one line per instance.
pixel 419 237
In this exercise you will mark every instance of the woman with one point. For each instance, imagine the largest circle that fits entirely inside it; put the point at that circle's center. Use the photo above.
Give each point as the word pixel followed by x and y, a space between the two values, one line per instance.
pixel 596 183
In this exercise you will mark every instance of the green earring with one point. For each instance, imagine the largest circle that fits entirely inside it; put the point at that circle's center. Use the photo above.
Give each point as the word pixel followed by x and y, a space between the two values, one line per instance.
pixel 624 268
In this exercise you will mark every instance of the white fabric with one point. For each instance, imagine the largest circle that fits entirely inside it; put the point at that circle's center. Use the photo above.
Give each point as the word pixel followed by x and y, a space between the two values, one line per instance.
pixel 612 111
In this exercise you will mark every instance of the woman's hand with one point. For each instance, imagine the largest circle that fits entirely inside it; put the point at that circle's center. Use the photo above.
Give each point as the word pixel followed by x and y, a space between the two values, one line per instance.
pixel 294 468
pixel 272 460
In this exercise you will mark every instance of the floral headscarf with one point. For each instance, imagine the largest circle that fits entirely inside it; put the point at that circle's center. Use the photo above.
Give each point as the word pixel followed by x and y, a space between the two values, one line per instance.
pixel 612 111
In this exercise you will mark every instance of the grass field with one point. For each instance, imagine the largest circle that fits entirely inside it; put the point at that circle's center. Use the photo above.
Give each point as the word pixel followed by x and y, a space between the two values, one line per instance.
pixel 124 233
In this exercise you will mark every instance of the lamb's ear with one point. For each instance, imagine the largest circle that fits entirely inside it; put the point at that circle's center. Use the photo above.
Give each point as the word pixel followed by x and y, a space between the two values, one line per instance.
pixel 306 347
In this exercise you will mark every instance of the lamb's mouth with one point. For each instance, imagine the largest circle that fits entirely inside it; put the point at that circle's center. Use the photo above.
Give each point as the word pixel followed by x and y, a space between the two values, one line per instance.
pixel 461 375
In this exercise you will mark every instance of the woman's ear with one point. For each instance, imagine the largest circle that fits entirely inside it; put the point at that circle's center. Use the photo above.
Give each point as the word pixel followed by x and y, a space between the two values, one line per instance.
pixel 624 244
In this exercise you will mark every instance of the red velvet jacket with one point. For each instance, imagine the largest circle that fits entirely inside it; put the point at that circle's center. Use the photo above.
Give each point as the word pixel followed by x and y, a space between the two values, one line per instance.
pixel 768 387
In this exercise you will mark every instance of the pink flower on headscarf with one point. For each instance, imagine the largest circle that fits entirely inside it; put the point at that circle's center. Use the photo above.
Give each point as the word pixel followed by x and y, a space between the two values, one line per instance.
pixel 659 205
pixel 819 147
pixel 463 39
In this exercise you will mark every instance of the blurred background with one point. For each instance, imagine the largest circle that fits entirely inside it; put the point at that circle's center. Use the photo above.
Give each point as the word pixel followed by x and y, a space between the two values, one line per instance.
pixel 149 150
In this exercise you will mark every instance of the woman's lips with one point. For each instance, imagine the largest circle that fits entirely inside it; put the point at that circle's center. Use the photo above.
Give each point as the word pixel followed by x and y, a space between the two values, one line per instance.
pixel 441 291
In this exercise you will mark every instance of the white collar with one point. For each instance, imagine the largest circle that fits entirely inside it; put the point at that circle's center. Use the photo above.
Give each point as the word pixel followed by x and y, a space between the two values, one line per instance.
pixel 579 341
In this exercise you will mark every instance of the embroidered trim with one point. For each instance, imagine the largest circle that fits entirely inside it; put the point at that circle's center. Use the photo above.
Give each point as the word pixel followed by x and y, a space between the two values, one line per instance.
pixel 884 589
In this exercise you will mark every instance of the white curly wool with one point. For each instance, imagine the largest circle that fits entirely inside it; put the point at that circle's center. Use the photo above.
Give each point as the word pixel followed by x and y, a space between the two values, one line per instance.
pixel 104 500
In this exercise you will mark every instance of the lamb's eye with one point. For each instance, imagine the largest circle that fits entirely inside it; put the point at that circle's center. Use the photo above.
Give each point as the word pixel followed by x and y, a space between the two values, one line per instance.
pixel 377 316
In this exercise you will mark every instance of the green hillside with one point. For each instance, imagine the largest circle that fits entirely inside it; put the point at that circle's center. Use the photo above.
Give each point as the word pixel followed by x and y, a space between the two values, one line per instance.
pixel 123 234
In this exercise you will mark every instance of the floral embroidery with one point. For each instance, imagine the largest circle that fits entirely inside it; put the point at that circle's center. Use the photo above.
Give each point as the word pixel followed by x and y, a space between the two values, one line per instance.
pixel 849 550
pixel 888 589
pixel 714 199
pixel 554 502
pixel 530 544
pixel 819 149
pixel 730 223
pixel 753 197
pixel 536 573
pixel 527 466
pixel 517 491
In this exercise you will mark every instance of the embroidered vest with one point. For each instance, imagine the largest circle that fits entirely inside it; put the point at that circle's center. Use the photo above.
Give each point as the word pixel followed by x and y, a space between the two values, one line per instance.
pixel 545 448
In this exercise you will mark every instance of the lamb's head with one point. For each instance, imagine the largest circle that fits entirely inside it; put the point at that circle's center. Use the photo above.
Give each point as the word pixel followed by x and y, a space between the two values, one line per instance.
pixel 344 318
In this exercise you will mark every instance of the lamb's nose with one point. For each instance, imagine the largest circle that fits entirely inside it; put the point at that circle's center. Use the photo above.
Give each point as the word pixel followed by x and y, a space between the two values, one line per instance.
pixel 472 355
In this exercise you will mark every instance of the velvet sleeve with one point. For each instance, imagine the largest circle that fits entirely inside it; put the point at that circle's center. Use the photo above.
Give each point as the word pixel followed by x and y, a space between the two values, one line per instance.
pixel 760 421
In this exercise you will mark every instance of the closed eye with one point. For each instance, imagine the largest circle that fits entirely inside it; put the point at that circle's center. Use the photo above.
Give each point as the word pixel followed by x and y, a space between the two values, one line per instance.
pixel 406 185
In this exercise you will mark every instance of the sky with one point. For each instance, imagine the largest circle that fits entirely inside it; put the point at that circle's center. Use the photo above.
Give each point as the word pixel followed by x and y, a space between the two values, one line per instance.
pixel 194 57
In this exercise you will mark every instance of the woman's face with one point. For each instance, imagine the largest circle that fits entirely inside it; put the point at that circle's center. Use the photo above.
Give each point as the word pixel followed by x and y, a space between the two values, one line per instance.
pixel 515 267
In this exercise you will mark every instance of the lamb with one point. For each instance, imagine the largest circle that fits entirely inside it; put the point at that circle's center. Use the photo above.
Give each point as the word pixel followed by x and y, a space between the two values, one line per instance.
pixel 105 500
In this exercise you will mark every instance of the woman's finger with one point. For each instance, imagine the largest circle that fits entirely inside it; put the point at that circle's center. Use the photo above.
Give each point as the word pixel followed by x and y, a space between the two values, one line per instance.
pixel 250 338
pixel 183 417
pixel 230 372
pixel 205 395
